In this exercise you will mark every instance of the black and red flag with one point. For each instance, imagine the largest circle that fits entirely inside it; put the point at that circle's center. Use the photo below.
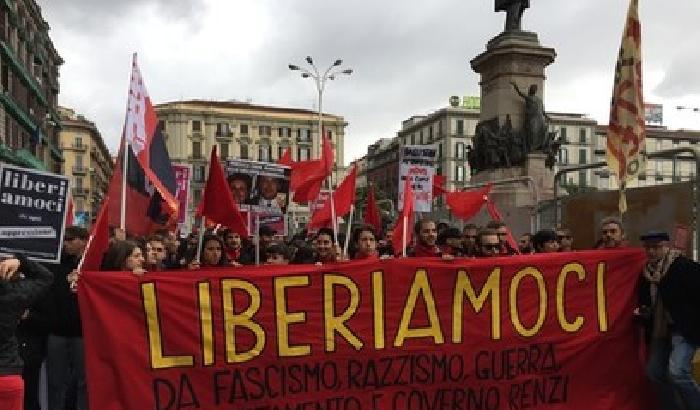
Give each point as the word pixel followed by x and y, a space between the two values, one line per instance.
pixel 150 188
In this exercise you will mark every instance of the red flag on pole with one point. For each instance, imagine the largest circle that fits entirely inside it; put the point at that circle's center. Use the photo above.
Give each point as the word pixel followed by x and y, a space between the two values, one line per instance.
pixel 310 175
pixel 373 216
pixel 400 239
pixel 286 158
pixel 466 204
pixel 150 187
pixel 217 203
pixel 343 198
pixel 98 242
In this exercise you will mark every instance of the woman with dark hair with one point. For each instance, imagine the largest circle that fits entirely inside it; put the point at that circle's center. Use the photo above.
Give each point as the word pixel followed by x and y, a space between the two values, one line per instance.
pixel 212 252
pixel 124 256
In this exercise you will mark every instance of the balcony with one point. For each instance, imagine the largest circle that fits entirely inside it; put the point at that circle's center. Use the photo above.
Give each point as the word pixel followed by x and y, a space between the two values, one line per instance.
pixel 79 170
pixel 79 147
pixel 227 135
pixel 80 192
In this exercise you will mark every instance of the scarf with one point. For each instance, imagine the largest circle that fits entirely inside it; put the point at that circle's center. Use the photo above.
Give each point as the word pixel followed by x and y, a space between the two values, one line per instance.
pixel 654 272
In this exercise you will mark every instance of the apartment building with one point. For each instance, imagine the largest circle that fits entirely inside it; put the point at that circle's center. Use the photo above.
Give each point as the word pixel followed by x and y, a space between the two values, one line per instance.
pixel 29 65
pixel 87 162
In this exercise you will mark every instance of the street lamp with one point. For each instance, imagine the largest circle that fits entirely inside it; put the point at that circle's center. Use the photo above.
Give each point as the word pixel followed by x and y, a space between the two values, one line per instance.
pixel 331 73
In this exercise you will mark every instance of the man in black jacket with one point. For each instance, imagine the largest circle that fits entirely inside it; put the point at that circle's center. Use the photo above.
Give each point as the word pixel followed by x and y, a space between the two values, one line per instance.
pixel 65 359
pixel 21 283
pixel 670 300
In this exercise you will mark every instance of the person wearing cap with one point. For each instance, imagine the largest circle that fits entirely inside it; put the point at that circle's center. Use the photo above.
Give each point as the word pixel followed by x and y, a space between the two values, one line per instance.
pixel 545 241
pixel 669 304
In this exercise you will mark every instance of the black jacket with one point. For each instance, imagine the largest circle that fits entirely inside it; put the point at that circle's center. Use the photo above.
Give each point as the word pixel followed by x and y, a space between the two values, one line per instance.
pixel 65 316
pixel 680 291
pixel 16 296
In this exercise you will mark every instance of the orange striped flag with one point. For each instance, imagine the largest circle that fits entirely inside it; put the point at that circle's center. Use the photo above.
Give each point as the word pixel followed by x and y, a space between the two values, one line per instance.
pixel 626 132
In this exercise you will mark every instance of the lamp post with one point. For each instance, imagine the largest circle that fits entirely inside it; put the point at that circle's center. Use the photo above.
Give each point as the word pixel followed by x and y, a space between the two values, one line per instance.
pixel 331 73
pixel 320 79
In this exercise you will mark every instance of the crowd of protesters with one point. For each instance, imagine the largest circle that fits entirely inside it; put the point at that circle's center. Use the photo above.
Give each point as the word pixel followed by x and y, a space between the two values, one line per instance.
pixel 49 329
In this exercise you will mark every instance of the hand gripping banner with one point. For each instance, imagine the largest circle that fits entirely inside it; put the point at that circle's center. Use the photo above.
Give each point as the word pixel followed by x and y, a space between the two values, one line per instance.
pixel 552 331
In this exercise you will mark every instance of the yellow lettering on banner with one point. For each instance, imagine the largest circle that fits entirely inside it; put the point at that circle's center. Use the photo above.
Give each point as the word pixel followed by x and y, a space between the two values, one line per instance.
pixel 206 323
pixel 378 308
pixel 286 318
pixel 514 315
pixel 244 319
pixel 601 298
pixel 420 286
pixel 567 326
pixel 155 342
pixel 333 323
pixel 490 289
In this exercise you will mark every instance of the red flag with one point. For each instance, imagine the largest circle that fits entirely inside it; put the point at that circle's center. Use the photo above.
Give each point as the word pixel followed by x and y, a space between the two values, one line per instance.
pixel 286 158
pixel 307 176
pixel 439 185
pixel 151 186
pixel 98 242
pixel 372 215
pixel 217 203
pixel 466 204
pixel 405 216
pixel 69 212
pixel 343 198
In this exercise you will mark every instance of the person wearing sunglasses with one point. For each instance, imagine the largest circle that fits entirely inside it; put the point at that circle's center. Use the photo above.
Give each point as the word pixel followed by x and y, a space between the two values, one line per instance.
pixel 488 244
pixel 566 240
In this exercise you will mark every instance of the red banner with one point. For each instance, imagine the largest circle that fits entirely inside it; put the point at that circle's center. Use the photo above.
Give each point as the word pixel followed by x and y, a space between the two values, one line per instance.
pixel 542 331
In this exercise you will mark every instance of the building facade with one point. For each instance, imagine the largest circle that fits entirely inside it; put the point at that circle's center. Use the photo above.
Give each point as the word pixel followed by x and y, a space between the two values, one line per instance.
pixel 29 73
pixel 87 162
pixel 246 131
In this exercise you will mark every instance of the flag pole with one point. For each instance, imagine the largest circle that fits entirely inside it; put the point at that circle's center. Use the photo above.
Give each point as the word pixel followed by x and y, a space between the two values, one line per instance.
pixel 334 220
pixel 257 239
pixel 125 166
pixel 405 226
pixel 347 234
pixel 201 238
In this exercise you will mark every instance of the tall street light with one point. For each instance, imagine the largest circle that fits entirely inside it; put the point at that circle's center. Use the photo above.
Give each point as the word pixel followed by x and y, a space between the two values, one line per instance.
pixel 331 73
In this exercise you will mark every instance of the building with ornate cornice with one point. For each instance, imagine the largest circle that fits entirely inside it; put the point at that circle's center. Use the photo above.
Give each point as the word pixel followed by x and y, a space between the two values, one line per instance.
pixel 87 162
pixel 246 131
pixel 29 64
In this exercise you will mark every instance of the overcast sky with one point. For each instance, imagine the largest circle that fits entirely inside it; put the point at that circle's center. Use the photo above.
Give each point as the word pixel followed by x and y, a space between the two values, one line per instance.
pixel 409 56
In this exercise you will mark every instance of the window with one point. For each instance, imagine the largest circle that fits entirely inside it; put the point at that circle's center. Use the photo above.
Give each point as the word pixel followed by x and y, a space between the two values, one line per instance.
pixel 265 130
pixel 198 173
pixel 439 150
pixel 330 134
pixel 413 139
pixel 244 129
pixel 459 150
pixel 161 125
pixel 79 205
pixel 280 151
pixel 460 127
pixel 197 195
pixel 459 173
pixel 582 156
pixel 440 129
pixel 196 149
pixel 659 168
pixel 308 135
pixel 196 126
pixel 582 136
pixel 223 151
pixel 303 154
pixel 582 181
pixel 421 138
pixel 430 134
pixel 78 161
pixel 659 145
pixel 264 153
pixel 79 182
pixel 78 142
pixel 244 152
pixel 222 129
pixel 562 135
pixel 563 156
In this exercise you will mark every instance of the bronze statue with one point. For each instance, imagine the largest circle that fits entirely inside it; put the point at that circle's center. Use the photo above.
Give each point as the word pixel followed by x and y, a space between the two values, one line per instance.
pixel 535 125
pixel 514 12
